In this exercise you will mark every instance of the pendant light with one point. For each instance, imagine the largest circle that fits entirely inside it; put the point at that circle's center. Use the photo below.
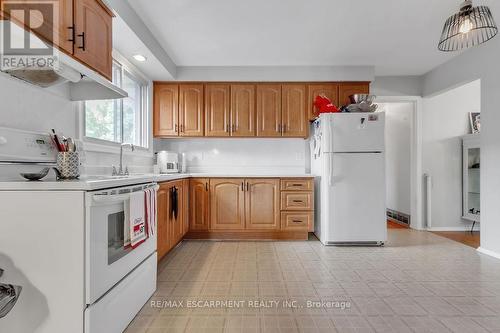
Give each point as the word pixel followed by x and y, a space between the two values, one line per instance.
pixel 469 27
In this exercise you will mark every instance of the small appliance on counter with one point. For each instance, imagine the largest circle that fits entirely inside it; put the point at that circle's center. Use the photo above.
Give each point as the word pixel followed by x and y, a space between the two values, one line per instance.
pixel 167 161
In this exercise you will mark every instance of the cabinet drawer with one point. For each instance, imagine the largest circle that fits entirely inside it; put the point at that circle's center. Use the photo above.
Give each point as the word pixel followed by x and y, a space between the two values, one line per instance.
pixel 296 184
pixel 296 220
pixel 296 201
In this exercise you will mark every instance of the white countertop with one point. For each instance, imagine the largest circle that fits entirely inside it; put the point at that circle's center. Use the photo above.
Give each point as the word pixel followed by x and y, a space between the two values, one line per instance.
pixel 91 183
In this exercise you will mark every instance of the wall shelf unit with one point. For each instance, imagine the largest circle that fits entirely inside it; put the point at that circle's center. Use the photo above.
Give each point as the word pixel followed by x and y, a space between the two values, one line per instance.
pixel 471 185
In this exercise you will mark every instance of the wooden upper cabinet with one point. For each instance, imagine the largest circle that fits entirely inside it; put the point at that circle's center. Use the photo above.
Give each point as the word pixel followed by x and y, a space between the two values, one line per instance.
pixel 243 110
pixel 166 109
pixel 191 112
pixel 227 204
pixel 294 111
pixel 350 88
pixel 217 110
pixel 269 110
pixel 330 90
pixel 94 35
pixel 262 204
pixel 64 37
pixel 54 27
pixel 198 204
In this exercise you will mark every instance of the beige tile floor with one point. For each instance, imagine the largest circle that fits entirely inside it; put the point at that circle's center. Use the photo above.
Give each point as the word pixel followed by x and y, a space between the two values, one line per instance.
pixel 418 282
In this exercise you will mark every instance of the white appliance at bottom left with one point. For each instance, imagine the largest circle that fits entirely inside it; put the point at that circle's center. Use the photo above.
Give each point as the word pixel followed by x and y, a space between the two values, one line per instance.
pixel 118 279
pixel 61 246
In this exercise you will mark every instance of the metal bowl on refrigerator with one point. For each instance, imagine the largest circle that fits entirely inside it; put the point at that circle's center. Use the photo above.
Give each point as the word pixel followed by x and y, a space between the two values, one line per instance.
pixel 358 98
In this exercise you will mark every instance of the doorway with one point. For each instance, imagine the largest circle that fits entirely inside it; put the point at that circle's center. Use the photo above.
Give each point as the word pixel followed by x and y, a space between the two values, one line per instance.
pixel 404 155
pixel 398 125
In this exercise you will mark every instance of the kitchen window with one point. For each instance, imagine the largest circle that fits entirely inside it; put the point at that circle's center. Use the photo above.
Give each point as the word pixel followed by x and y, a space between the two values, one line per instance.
pixel 120 120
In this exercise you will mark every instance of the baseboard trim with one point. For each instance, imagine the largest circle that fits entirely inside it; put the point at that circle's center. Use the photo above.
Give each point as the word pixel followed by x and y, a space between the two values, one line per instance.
pixel 247 235
pixel 465 228
pixel 488 252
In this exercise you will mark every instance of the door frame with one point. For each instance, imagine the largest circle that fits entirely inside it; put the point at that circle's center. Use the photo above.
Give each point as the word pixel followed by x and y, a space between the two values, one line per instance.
pixel 416 182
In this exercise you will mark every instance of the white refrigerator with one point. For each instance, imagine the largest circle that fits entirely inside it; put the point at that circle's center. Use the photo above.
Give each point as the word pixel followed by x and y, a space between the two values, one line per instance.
pixel 348 156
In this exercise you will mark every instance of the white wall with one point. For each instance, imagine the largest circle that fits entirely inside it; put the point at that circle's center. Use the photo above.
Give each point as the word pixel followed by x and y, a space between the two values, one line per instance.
pixel 27 107
pixel 445 120
pixel 398 129
pixel 397 86
pixel 276 73
pixel 480 63
pixel 283 156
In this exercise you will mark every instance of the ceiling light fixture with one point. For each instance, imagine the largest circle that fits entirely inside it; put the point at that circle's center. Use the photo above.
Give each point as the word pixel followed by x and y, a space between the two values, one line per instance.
pixel 469 27
pixel 140 57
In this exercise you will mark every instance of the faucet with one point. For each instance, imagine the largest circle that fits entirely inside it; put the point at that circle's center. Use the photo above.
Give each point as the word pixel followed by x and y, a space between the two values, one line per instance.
pixel 120 171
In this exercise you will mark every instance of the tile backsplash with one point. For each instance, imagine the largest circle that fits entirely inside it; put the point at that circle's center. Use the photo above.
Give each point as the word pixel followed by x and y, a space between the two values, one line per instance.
pixel 241 155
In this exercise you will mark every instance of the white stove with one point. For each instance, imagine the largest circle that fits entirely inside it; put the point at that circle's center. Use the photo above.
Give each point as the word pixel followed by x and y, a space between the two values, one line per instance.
pixel 59 243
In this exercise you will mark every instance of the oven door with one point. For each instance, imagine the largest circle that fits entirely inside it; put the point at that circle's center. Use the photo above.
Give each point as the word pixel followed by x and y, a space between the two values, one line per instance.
pixel 108 260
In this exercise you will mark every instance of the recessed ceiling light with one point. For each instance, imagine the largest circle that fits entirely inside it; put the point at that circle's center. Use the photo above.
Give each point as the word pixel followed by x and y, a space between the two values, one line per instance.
pixel 140 57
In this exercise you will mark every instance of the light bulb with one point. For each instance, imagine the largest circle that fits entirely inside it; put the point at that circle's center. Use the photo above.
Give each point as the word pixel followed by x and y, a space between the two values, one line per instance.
pixel 465 26
pixel 140 57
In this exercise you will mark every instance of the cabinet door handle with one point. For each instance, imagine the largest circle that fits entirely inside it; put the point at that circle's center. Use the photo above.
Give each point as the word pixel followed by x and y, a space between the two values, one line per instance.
pixel 234 128
pixel 82 36
pixel 242 186
pixel 300 201
pixel 297 221
pixel 227 128
pixel 176 128
pixel 72 39
pixel 248 186
pixel 206 187
pixel 278 128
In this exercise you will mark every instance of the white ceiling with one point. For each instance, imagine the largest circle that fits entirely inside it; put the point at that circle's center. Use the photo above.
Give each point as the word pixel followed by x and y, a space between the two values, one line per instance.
pixel 398 37
pixel 128 44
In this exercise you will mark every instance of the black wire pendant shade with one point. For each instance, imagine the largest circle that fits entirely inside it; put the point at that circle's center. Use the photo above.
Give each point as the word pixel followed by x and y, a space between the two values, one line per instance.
pixel 469 27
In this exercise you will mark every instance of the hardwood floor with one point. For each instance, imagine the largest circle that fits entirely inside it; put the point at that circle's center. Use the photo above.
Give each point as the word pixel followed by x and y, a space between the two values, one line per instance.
pixel 394 225
pixel 464 237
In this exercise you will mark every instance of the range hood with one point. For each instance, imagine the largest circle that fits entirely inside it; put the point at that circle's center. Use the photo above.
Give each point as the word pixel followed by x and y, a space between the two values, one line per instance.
pixel 84 83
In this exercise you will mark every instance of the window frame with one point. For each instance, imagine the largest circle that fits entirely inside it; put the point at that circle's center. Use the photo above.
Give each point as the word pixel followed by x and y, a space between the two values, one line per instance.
pixel 102 145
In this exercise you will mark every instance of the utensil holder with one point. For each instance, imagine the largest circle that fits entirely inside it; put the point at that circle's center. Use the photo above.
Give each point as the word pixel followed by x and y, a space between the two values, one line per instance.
pixel 68 165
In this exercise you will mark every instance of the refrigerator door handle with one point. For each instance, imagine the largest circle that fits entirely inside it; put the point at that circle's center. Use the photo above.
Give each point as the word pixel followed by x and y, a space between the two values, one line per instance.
pixel 331 175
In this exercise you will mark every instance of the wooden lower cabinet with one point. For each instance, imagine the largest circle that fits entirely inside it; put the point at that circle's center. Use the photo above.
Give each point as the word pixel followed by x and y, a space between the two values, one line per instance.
pixel 176 212
pixel 185 206
pixel 297 204
pixel 163 220
pixel 199 204
pixel 172 215
pixel 296 201
pixel 296 220
pixel 227 204
pixel 250 208
pixel 262 204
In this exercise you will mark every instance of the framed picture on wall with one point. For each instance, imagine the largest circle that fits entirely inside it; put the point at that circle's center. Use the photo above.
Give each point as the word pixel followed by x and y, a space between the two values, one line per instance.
pixel 475 122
